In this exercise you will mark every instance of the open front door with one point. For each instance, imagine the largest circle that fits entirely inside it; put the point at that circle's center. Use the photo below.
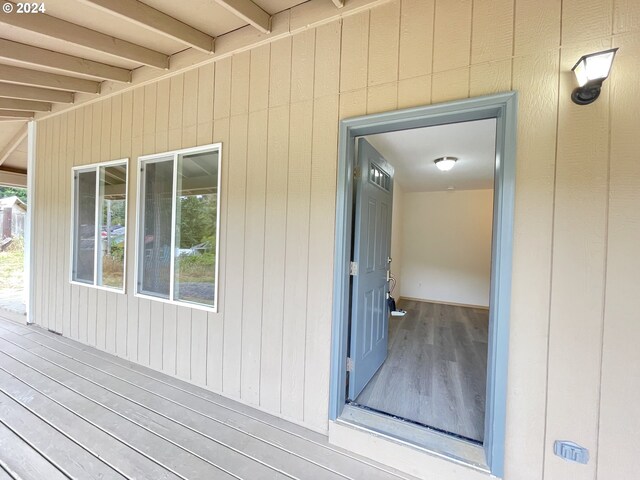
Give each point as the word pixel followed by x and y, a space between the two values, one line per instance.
pixel 372 247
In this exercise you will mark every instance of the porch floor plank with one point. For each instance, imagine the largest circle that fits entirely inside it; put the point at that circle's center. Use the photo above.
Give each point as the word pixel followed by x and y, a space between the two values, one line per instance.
pixel 23 461
pixel 57 449
pixel 159 420
pixel 95 441
pixel 269 444
pixel 166 442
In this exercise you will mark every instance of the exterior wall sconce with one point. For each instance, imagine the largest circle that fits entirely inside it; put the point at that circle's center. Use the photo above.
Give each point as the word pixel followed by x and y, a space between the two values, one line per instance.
pixel 591 70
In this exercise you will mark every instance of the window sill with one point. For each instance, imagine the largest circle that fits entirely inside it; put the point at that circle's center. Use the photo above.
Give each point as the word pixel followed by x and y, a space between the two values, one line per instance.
pixel 120 291
pixel 196 306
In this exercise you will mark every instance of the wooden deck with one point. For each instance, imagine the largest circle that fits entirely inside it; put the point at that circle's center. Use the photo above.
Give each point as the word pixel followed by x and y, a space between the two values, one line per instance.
pixel 71 411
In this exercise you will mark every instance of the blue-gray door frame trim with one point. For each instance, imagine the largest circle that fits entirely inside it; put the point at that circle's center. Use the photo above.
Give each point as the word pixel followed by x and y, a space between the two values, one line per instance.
pixel 503 107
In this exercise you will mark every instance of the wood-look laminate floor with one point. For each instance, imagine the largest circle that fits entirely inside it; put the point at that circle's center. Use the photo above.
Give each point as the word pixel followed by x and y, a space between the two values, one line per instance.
pixel 68 411
pixel 435 372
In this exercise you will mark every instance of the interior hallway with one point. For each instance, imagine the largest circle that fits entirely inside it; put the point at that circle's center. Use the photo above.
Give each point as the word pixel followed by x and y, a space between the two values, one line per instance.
pixel 435 372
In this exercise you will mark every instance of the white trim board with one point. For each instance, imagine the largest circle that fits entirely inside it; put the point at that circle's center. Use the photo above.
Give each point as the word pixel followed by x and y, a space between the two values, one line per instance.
pixel 413 299
pixel 12 179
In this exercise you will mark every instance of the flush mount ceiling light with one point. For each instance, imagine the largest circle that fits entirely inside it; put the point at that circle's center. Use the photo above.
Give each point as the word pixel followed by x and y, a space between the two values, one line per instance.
pixel 445 163
pixel 591 70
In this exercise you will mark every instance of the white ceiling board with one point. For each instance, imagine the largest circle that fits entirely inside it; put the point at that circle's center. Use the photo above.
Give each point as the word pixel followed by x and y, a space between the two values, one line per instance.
pixel 42 68
pixel 15 34
pixel 96 19
pixel 275 6
pixel 412 152
pixel 208 16
pixel 17 160
pixel 8 131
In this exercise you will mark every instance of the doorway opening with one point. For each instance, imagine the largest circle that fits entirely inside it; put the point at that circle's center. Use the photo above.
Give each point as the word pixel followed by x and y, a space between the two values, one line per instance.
pixel 431 369
pixel 433 280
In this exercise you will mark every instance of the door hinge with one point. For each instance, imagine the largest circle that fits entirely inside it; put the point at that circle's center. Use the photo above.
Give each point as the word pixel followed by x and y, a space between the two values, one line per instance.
pixel 349 364
pixel 353 268
pixel 356 172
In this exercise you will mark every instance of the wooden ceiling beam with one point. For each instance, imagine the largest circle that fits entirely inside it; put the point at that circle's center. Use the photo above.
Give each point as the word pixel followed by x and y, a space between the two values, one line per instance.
pixel 27 105
pixel 249 12
pixel 13 143
pixel 15 114
pixel 35 78
pixel 21 92
pixel 12 179
pixel 152 19
pixel 78 35
pixel 60 61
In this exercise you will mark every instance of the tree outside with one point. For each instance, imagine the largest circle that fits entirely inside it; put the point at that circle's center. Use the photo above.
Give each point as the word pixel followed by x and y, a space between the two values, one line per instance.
pixel 12 263
pixel 21 193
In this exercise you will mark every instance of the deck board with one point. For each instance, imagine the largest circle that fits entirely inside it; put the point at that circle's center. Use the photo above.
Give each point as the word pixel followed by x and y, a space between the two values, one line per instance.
pixel 308 444
pixel 211 416
pixel 166 442
pixel 97 442
pixel 3 474
pixel 159 424
pixel 57 449
pixel 169 419
pixel 22 461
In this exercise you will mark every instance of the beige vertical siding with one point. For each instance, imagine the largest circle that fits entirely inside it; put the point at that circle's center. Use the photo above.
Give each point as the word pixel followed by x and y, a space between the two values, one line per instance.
pixel 574 359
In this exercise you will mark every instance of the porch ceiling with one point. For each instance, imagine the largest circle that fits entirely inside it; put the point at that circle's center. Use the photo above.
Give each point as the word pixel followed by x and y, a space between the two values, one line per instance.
pixel 79 49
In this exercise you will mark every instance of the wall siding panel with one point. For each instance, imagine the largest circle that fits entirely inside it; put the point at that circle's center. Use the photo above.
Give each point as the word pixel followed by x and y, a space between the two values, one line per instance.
pixel 533 233
pixel 215 321
pixel 275 109
pixel 492 30
pixel 319 290
pixel 274 242
pixel 537 26
pixel 355 52
pixel 415 57
pixel 384 40
pixel 254 256
pixel 621 333
pixel 236 198
pixel 49 304
pixel 452 34
pixel 577 281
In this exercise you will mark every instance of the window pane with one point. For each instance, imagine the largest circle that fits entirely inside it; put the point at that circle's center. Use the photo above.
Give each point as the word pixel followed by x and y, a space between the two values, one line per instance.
pixel 85 227
pixel 156 236
pixel 113 208
pixel 196 217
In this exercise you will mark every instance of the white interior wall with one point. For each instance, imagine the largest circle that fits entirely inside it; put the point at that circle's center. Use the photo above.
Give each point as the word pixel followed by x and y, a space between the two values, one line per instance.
pixel 446 246
pixel 396 237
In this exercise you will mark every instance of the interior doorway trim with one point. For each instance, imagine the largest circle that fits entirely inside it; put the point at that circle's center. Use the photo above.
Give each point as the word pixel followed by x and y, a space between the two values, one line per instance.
pixel 502 107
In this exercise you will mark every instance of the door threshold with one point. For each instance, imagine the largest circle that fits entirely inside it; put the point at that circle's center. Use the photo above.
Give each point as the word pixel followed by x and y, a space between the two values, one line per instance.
pixel 414 422
pixel 432 441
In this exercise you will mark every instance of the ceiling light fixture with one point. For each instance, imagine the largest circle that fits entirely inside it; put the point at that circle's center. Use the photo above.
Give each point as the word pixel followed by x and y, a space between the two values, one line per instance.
pixel 591 70
pixel 445 163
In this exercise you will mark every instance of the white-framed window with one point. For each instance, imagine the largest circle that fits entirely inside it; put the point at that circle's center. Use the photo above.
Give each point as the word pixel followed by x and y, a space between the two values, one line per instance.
pixel 99 225
pixel 177 226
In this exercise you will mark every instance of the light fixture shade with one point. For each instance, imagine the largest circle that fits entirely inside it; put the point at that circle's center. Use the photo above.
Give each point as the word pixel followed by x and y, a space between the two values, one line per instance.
pixel 445 163
pixel 591 70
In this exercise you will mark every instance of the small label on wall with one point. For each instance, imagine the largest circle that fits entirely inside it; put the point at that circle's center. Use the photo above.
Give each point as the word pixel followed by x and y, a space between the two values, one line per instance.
pixel 571 451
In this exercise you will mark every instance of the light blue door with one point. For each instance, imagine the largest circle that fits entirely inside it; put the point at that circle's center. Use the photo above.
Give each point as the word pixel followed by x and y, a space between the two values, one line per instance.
pixel 371 251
